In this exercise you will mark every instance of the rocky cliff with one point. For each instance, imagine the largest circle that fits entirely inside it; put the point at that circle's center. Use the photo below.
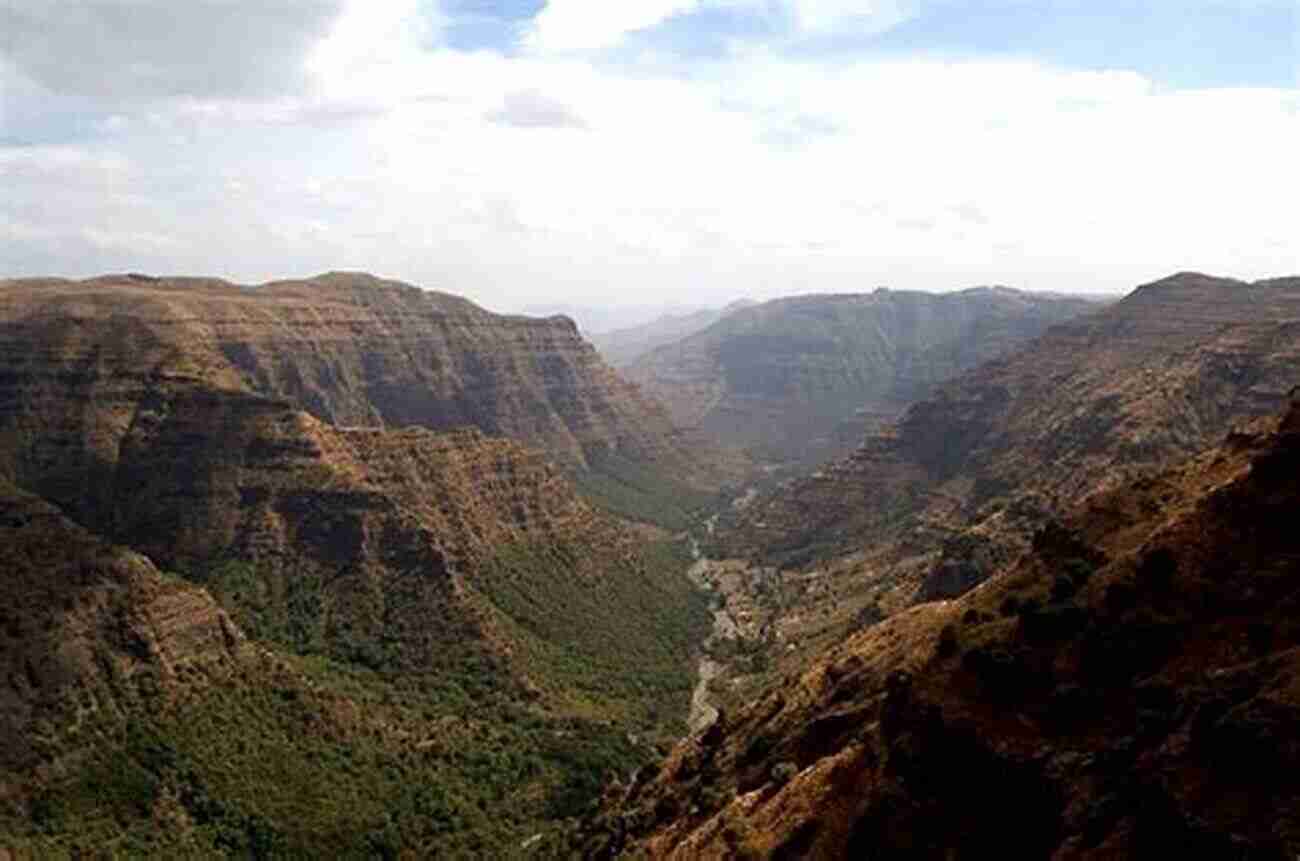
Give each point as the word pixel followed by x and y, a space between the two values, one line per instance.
pixel 801 378
pixel 1126 688
pixel 350 349
pixel 365 587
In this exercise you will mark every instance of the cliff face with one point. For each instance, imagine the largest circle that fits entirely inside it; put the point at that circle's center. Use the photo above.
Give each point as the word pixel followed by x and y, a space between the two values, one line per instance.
pixel 159 437
pixel 1127 687
pixel 136 713
pixel 801 378
pixel 88 626
pixel 351 350
pixel 369 545
pixel 1155 377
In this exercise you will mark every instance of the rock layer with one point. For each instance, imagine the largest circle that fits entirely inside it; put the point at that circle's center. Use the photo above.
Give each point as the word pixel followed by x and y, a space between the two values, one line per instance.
pixel 1151 379
pixel 800 378
pixel 350 349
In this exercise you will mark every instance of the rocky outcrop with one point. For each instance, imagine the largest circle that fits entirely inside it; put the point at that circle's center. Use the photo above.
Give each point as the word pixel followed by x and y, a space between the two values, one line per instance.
pixel 1126 687
pixel 802 378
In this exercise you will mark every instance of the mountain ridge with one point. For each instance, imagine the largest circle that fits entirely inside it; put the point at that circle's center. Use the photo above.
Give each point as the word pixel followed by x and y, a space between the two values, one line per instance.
pixel 802 377
pixel 1154 376
pixel 356 350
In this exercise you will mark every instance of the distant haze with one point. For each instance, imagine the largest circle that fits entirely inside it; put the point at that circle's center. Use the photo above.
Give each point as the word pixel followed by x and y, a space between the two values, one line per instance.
pixel 651 152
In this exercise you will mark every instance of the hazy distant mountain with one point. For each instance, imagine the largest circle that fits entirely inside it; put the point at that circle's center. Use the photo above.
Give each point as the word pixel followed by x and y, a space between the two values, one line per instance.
pixel 800 378
pixel 622 347
pixel 596 319
pixel 1155 377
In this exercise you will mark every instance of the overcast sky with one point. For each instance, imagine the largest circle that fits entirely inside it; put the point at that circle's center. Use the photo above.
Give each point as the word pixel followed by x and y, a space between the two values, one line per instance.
pixel 638 151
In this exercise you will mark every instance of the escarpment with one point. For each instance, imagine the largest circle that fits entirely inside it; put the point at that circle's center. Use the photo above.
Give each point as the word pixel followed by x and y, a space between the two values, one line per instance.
pixel 253 612
pixel 801 379
pixel 1126 687
pixel 350 349
pixel 981 463
pixel 373 545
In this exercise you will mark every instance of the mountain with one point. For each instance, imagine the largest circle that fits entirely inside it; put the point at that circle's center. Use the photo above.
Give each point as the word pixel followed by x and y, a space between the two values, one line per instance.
pixel 622 347
pixel 800 379
pixel 352 350
pixel 138 715
pixel 1126 688
pixel 596 319
pixel 974 468
pixel 255 607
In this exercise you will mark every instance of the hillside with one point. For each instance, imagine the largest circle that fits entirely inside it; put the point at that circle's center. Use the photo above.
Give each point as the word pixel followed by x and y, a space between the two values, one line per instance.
pixel 356 351
pixel 801 379
pixel 1126 688
pixel 341 595
pixel 140 719
pixel 624 346
pixel 975 467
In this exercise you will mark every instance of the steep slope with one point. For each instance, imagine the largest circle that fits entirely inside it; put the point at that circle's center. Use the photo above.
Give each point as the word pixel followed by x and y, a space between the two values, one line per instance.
pixel 397 585
pixel 383 547
pixel 353 351
pixel 1130 687
pixel 975 468
pixel 781 378
pixel 84 621
pixel 139 720
pixel 623 347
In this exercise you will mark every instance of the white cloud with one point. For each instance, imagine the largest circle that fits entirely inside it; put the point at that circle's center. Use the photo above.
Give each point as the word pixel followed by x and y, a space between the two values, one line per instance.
pixel 828 16
pixel 127 50
pixel 757 176
pixel 566 26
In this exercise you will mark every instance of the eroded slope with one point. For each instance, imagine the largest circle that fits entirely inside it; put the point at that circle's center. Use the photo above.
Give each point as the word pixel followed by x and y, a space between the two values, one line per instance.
pixel 800 378
pixel 1127 688
pixel 351 350
pixel 974 468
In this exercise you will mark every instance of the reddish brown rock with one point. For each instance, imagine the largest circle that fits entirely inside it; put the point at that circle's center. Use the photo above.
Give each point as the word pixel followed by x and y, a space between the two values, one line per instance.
pixel 1134 700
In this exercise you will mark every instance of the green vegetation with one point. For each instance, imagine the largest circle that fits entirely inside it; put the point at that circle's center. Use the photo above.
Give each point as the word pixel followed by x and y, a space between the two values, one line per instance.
pixel 313 774
pixel 641 492
pixel 295 619
pixel 618 642
pixel 308 749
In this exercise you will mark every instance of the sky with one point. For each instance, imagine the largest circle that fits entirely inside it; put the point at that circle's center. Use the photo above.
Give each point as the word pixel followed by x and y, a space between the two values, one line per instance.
pixel 636 152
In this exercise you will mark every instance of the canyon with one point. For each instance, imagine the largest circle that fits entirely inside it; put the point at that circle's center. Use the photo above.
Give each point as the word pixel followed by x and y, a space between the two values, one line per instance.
pixel 800 380
pixel 460 588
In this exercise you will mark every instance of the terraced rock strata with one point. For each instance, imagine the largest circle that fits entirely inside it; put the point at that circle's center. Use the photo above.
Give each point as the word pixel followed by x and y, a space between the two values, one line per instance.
pixel 192 551
pixel 800 379
pixel 976 467
pixel 350 349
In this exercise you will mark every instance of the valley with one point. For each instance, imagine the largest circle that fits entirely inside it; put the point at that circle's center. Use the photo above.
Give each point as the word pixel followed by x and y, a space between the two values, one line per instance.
pixel 674 430
pixel 467 590
pixel 795 382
